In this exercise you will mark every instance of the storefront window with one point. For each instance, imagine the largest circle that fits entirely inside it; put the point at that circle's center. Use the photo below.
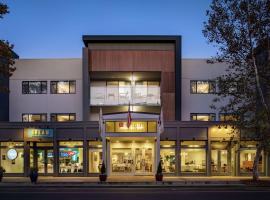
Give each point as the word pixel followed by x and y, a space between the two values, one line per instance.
pixel 247 159
pixel 167 157
pixel 71 157
pixel 95 156
pixel 12 159
pixel 193 157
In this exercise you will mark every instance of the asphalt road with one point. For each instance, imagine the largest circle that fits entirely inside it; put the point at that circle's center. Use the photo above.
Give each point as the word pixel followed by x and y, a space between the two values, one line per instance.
pixel 133 193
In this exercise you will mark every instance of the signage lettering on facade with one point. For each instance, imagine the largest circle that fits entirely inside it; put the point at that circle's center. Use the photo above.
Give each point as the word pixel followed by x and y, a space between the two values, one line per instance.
pixel 38 133
pixel 135 127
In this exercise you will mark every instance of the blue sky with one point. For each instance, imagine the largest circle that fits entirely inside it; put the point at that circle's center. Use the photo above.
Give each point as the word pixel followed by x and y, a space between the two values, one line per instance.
pixel 54 28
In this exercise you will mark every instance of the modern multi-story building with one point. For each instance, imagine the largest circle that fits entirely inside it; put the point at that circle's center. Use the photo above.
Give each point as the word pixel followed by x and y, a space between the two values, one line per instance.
pixel 66 116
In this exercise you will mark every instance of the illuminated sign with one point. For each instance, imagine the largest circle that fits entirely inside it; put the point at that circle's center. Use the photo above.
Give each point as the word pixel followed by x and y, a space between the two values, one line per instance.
pixel 34 133
pixel 12 154
pixel 135 127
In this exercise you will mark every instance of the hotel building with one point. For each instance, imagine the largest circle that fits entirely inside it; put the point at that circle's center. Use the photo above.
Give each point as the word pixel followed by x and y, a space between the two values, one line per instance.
pixel 66 116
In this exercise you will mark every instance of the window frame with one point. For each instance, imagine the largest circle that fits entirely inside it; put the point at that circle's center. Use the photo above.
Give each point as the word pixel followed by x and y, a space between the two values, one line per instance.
pixel 45 114
pixel 209 81
pixel 206 114
pixel 226 115
pixel 56 115
pixel 41 87
pixel 69 86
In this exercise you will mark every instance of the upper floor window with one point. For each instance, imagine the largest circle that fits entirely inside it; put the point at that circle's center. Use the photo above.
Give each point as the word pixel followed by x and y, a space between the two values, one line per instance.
pixel 63 117
pixel 34 117
pixel 63 87
pixel 202 116
pixel 227 117
pixel 34 87
pixel 202 87
pixel 124 92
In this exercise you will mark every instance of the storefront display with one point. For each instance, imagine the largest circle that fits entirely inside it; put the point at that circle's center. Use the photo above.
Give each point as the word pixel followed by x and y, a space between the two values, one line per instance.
pixel 193 157
pixel 132 157
pixel 70 157
pixel 247 156
pixel 12 157
pixel 95 156
pixel 167 156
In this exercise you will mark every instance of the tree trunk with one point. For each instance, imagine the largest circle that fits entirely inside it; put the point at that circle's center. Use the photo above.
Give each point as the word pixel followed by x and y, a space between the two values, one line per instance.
pixel 255 171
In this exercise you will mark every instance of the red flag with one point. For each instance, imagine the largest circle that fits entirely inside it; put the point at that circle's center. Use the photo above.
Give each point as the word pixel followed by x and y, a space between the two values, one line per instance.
pixel 129 117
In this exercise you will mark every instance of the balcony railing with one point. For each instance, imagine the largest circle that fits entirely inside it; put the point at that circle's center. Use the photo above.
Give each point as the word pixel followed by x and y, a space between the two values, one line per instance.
pixel 135 95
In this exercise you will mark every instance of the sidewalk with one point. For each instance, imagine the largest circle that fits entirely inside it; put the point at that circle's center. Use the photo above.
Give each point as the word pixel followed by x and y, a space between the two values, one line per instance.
pixel 127 181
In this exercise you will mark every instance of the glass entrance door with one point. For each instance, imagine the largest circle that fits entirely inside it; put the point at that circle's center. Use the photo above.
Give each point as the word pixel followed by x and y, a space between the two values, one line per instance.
pixel 43 159
pixel 143 160
pixel 132 158
pixel 219 161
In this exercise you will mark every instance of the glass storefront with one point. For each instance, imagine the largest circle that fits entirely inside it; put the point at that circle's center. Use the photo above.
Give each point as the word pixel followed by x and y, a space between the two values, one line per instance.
pixel 95 156
pixel 71 157
pixel 42 157
pixel 220 157
pixel 132 157
pixel 247 156
pixel 12 157
pixel 167 156
pixel 193 157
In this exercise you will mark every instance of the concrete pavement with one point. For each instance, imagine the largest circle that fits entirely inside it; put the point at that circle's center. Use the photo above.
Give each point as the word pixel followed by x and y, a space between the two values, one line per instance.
pixel 129 181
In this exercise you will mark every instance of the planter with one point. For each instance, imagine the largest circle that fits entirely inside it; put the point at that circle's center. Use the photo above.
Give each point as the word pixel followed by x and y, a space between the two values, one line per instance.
pixel 33 177
pixel 159 177
pixel 102 177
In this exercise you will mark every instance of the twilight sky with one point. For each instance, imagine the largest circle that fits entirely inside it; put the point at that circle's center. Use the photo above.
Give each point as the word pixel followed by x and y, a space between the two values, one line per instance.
pixel 54 28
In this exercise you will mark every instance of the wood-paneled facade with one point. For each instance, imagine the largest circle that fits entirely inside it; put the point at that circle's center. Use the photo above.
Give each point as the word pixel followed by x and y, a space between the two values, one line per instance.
pixel 143 54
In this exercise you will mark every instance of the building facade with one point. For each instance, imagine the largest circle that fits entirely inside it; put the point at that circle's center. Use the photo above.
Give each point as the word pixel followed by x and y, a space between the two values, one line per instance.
pixel 130 102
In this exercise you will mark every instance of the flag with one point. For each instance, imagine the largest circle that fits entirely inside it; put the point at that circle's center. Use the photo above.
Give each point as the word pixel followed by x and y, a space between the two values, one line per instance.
pixel 100 120
pixel 160 121
pixel 129 117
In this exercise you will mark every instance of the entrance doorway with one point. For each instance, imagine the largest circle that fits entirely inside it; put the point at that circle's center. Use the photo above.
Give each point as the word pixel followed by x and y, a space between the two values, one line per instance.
pixel 42 157
pixel 219 164
pixel 220 158
pixel 132 158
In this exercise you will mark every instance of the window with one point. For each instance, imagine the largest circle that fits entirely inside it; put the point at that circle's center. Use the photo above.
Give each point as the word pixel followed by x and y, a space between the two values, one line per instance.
pixel 202 87
pixel 11 156
pixel 227 117
pixel 63 87
pixel 135 127
pixel 247 157
pixel 34 117
pixel 34 87
pixel 55 117
pixel 71 157
pixel 167 156
pixel 193 156
pixel 202 116
pixel 95 156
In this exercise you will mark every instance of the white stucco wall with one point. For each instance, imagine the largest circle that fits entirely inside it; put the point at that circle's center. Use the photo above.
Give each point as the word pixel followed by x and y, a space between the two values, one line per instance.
pixel 45 69
pixel 198 69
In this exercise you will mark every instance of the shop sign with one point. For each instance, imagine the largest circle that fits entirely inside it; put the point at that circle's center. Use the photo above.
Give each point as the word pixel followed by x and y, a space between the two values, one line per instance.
pixel 12 154
pixel 33 133
pixel 135 126
pixel 69 153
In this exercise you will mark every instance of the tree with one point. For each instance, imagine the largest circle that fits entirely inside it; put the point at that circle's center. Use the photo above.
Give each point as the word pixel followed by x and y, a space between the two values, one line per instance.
pixel 6 55
pixel 240 30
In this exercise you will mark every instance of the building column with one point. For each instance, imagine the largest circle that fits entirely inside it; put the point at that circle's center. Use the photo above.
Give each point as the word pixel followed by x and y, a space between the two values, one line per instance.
pixel 26 161
pixel 85 153
pixel 208 156
pixel 56 154
pixel 237 159
pixel 157 152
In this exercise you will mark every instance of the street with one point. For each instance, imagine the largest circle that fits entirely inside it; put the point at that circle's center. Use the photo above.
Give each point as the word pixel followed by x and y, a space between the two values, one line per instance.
pixel 134 193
